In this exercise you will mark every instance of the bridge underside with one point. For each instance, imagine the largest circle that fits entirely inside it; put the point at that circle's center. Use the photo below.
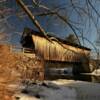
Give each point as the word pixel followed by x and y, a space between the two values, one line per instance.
pixel 58 68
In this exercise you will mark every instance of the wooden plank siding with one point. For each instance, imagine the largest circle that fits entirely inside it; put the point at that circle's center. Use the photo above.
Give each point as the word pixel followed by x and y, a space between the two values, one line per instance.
pixel 56 52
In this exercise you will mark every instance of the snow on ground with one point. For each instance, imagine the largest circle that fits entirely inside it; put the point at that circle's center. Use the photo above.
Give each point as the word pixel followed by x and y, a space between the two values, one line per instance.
pixel 85 90
pixel 94 73
pixel 47 91
pixel 24 97
pixel 61 90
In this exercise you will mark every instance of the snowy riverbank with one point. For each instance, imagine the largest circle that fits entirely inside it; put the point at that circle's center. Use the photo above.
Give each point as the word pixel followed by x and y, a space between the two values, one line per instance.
pixel 61 90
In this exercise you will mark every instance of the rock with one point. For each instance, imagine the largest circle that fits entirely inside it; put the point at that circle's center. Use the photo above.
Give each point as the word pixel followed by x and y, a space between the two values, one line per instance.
pixel 24 97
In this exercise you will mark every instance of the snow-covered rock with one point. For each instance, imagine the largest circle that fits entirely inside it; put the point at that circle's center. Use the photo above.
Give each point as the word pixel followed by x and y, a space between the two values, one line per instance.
pixel 96 72
pixel 47 91
pixel 24 97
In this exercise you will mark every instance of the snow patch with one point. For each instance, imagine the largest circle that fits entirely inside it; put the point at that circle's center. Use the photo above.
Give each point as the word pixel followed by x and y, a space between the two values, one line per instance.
pixel 48 91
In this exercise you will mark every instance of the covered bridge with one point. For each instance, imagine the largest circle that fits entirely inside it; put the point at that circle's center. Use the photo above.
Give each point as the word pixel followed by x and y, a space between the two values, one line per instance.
pixel 57 53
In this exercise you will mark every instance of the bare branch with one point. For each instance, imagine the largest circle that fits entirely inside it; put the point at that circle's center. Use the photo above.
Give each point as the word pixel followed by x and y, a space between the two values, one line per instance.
pixel 36 23
pixel 93 8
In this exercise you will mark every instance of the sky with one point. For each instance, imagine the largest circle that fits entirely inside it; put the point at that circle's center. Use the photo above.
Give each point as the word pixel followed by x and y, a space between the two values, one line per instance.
pixel 51 25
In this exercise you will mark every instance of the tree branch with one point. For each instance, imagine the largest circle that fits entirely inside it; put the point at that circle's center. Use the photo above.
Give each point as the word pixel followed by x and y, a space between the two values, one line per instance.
pixel 36 23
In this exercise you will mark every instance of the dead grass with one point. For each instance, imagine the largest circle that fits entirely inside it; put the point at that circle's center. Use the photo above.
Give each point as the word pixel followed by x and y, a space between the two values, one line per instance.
pixel 14 68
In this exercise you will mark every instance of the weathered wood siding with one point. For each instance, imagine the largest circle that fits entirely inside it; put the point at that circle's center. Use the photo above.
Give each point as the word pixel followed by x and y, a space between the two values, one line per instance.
pixel 56 52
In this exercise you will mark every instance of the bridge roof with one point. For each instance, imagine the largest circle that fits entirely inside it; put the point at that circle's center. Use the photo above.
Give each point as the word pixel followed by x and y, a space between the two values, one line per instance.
pixel 30 32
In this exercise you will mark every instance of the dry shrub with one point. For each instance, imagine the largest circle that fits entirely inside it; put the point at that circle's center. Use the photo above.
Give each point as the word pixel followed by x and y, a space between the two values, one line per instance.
pixel 14 68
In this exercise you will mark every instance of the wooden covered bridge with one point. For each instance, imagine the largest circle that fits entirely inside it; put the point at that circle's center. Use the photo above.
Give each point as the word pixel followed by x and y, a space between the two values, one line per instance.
pixel 57 53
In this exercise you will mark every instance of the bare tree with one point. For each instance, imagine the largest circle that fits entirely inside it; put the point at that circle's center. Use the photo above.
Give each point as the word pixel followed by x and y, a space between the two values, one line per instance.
pixel 75 14
pixel 83 11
